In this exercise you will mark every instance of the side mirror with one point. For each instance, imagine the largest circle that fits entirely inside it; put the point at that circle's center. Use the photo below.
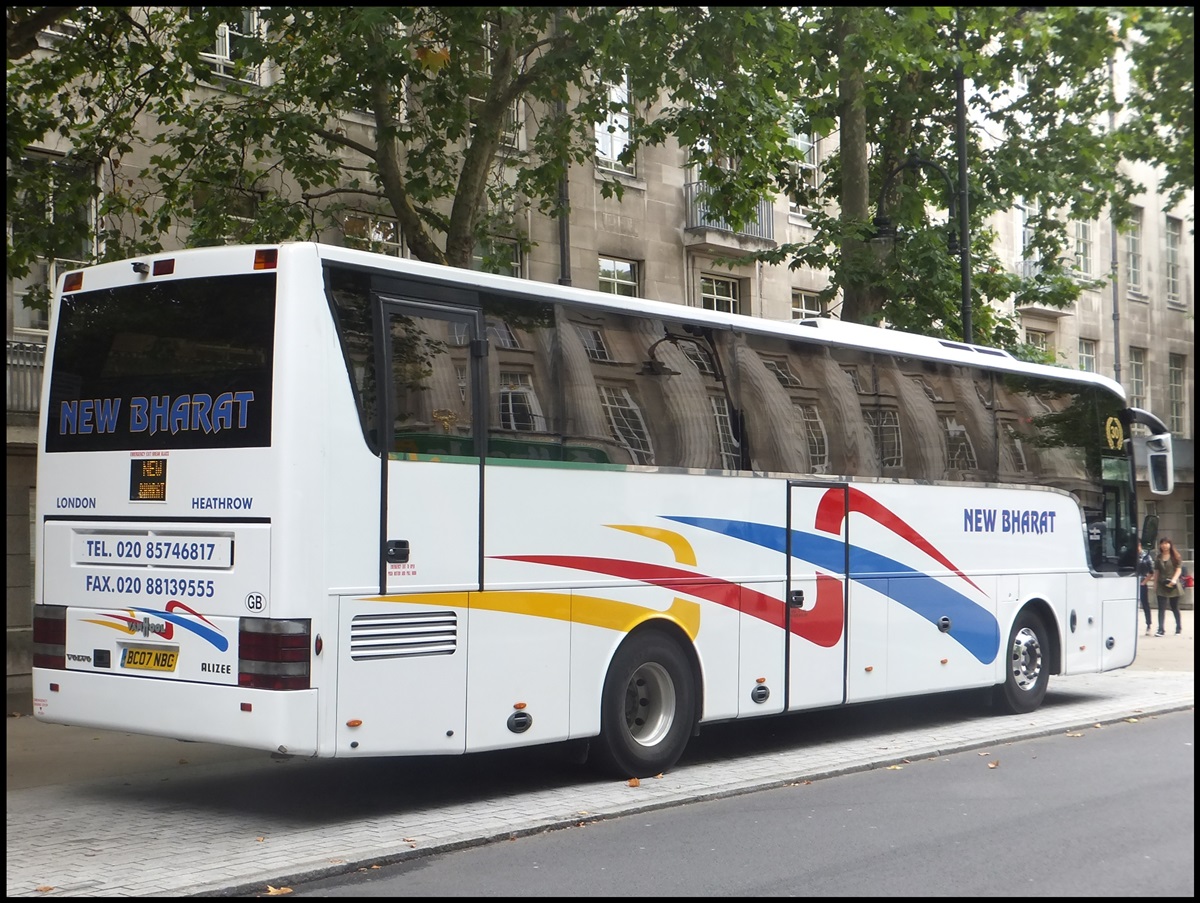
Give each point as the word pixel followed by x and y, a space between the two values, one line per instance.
pixel 1149 531
pixel 1160 465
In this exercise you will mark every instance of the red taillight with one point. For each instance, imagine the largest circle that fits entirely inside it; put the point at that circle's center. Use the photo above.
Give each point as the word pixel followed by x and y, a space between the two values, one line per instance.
pixel 73 282
pixel 50 637
pixel 274 655
pixel 266 258
pixel 164 267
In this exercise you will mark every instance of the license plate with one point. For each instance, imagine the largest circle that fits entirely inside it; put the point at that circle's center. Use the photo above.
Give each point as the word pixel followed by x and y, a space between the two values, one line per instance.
pixel 139 659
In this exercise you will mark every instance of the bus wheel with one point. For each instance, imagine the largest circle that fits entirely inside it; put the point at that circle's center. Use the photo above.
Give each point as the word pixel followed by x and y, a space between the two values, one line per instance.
pixel 1028 672
pixel 647 708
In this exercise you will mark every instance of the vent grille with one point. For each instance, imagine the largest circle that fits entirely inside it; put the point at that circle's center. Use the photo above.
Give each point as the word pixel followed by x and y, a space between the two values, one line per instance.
pixel 403 635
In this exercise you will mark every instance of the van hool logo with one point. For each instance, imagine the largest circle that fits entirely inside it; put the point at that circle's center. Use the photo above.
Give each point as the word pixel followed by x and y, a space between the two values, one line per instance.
pixel 146 627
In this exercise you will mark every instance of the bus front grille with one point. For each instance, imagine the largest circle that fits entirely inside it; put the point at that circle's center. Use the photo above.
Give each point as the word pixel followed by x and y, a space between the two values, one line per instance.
pixel 404 635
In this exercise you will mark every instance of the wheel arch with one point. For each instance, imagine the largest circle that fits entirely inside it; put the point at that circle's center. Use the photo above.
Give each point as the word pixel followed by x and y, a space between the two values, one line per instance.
pixel 1045 611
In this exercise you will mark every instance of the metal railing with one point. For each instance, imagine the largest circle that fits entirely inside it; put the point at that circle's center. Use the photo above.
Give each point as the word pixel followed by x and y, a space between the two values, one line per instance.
pixel 699 216
pixel 26 361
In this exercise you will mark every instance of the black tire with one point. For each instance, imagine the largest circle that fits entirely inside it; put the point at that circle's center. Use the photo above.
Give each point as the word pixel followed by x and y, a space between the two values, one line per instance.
pixel 647 709
pixel 1027 673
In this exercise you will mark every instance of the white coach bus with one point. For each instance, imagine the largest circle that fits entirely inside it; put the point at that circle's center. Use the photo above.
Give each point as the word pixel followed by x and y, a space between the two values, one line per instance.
pixel 324 502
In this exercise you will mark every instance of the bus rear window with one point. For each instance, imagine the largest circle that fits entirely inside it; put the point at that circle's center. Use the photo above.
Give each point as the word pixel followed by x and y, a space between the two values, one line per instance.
pixel 175 364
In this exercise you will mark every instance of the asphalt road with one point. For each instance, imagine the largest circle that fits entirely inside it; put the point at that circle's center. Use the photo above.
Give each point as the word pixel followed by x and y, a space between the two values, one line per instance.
pixel 1100 812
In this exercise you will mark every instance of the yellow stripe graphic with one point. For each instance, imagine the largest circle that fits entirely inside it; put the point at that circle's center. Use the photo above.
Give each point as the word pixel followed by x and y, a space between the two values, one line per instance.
pixel 579 609
pixel 681 548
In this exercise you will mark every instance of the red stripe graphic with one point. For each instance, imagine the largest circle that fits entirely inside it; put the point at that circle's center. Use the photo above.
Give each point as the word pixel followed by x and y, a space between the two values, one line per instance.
pixel 821 625
pixel 831 513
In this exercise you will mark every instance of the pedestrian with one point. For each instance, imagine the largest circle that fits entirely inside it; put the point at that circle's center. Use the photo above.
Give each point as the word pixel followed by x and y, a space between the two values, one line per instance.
pixel 1145 572
pixel 1168 567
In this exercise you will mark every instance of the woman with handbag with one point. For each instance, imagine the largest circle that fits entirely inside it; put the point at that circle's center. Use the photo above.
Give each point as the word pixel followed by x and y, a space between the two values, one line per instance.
pixel 1168 567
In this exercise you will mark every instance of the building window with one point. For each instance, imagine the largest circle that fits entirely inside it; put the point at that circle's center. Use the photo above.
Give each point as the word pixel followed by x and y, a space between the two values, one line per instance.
pixel 1083 248
pixel 807 177
pixel 817 438
pixel 228 53
pixel 1176 366
pixel 1028 266
pixel 519 407
pixel 1137 378
pixel 960 453
pixel 1039 340
pixel 481 63
pixel 1174 244
pixel 497 255
pixel 501 333
pixel 50 207
pixel 626 423
pixel 231 212
pixel 369 232
pixel 805 305
pixel 718 293
pixel 1087 355
pixel 782 372
pixel 593 341
pixel 700 359
pixel 612 133
pixel 618 277
pixel 1133 253
pixel 885 428
pixel 731 456
pixel 930 392
pixel 1016 446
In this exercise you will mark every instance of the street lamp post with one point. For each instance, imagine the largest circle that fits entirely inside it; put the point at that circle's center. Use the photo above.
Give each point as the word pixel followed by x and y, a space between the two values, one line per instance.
pixel 957 241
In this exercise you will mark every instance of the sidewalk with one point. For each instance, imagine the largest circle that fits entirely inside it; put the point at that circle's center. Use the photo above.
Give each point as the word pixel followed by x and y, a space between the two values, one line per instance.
pixel 98 813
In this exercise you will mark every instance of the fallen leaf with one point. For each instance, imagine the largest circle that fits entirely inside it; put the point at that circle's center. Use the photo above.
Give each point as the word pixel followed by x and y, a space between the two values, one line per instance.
pixel 260 839
pixel 337 861
pixel 183 761
pixel 659 775
pixel 276 891
pixel 895 768
pixel 45 888
pixel 409 839
pixel 995 764
pixel 1132 720
pixel 634 782
pixel 983 754
pixel 376 866
pixel 1075 735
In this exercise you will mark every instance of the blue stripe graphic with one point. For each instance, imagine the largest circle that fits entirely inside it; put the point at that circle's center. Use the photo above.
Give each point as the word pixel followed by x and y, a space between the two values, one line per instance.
pixel 201 630
pixel 972 627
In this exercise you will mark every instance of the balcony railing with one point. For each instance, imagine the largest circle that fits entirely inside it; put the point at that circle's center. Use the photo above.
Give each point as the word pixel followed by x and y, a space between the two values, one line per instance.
pixel 700 216
pixel 26 361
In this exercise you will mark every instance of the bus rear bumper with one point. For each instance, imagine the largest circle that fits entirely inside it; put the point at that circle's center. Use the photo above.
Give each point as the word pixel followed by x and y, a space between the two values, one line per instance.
pixel 274 720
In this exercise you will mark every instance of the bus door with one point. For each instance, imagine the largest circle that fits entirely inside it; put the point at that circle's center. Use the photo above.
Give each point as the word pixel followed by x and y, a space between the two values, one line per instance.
pixel 405 678
pixel 815 599
pixel 433 447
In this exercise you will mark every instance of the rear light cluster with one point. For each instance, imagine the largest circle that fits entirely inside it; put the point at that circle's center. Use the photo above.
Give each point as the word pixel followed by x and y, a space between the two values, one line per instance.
pixel 50 636
pixel 274 655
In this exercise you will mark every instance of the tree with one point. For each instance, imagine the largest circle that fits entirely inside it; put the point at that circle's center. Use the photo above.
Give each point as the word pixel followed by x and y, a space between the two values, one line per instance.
pixel 435 89
pixel 1162 102
pixel 409 108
